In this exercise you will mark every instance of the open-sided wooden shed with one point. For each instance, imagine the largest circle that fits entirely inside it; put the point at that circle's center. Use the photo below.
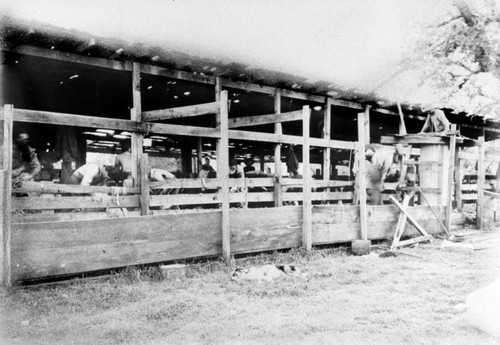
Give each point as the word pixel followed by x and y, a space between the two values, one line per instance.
pixel 187 107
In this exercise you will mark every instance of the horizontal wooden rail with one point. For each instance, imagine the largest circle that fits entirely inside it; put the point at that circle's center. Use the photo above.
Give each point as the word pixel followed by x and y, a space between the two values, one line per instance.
pixel 161 128
pixel 74 202
pixel 36 116
pixel 247 182
pixel 256 120
pixel 492 194
pixel 181 112
pixel 55 188
pixel 101 201
pixel 490 155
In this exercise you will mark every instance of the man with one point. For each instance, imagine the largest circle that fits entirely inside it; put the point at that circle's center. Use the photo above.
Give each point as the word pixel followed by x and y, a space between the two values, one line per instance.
pixel 206 170
pixel 25 164
pixel 249 168
pixel 90 174
pixel 124 163
pixel 236 170
pixel 436 122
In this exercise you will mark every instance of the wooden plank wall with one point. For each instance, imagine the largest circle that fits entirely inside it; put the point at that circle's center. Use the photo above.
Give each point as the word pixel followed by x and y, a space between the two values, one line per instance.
pixel 56 248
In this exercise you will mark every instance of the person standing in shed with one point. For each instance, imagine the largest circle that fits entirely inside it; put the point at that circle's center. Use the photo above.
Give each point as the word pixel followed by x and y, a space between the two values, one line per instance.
pixel 436 122
pixel 25 164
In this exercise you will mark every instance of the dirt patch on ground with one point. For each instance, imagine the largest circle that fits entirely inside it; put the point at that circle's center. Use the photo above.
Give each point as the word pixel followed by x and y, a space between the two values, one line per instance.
pixel 336 298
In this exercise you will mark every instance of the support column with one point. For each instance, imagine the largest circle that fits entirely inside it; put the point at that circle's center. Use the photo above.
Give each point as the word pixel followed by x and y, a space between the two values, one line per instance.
pixel 327 123
pixel 480 183
pixel 278 173
pixel 223 175
pixel 306 189
pixel 451 175
pixel 363 211
pixel 139 175
pixel 199 154
pixel 367 124
pixel 6 196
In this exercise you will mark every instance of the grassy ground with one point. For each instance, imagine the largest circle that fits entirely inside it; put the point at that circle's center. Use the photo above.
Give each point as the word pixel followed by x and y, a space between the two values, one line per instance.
pixel 337 299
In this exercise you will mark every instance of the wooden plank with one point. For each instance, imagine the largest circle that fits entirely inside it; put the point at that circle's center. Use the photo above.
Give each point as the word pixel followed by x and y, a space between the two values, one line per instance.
pixel 340 223
pixel 176 74
pixel 248 86
pixel 5 197
pixel 303 96
pixel 160 128
pixel 288 139
pixel 459 170
pixel 306 173
pixel 361 177
pixel 136 115
pixel 327 124
pixel 144 184
pixel 248 182
pixel 74 202
pixel 256 120
pixel 193 131
pixel 73 58
pixel 49 249
pixel 414 140
pixel 415 240
pixel 480 182
pixel 367 124
pixel 402 126
pixel 48 187
pixel 278 173
pixel 261 229
pixel 412 220
pixel 401 220
pixel 451 176
pixel 181 112
pixel 223 169
pixel 53 118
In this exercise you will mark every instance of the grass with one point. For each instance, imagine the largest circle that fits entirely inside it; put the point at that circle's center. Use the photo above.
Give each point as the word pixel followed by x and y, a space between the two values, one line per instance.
pixel 337 298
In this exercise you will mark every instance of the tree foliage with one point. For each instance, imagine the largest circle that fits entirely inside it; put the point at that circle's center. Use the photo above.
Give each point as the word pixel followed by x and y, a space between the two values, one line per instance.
pixel 464 64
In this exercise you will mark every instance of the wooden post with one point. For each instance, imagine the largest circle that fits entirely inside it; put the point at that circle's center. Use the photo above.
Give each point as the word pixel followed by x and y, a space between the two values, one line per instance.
pixel 136 115
pixel 459 168
pixel 223 175
pixel 367 124
pixel 480 183
pixel 451 172
pixel 402 126
pixel 306 190
pixel 327 122
pixel 6 197
pixel 199 154
pixel 144 184
pixel 363 211
pixel 278 174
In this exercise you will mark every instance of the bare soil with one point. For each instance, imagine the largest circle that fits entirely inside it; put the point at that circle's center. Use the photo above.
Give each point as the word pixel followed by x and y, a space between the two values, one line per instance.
pixel 336 299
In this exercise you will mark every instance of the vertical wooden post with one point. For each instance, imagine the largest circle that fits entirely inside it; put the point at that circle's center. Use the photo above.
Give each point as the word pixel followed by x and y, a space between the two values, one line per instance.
pixel 451 172
pixel 327 122
pixel 363 210
pixel 223 175
pixel 218 90
pixel 278 173
pixel 139 166
pixel 367 124
pixel 480 183
pixel 199 154
pixel 459 168
pixel 144 184
pixel 6 197
pixel 306 190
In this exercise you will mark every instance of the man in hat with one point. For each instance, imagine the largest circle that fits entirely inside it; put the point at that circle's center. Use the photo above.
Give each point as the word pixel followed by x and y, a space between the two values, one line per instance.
pixel 25 164
pixel 436 122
